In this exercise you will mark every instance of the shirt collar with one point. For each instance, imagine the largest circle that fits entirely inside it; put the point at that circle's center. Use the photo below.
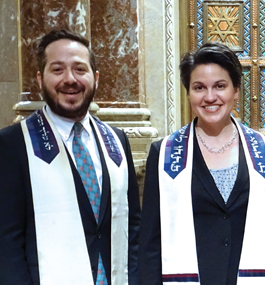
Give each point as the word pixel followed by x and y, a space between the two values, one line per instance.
pixel 65 125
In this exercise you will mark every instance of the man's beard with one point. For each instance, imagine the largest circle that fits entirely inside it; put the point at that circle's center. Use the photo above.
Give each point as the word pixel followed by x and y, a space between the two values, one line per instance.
pixel 57 108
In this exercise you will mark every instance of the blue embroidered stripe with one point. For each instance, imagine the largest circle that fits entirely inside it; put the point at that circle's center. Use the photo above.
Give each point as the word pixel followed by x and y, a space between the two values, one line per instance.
pixel 176 152
pixel 251 273
pixel 42 138
pixel 256 148
pixel 110 142
pixel 188 277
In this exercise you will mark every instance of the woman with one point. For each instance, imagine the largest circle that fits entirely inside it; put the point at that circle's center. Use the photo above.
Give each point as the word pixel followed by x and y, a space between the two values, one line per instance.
pixel 204 189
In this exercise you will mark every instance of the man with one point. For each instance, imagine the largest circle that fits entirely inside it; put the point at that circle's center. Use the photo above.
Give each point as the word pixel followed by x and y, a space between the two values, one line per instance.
pixel 68 198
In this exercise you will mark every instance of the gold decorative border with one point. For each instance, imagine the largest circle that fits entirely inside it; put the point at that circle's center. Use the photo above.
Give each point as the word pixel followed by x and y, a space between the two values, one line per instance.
pixel 255 106
pixel 192 25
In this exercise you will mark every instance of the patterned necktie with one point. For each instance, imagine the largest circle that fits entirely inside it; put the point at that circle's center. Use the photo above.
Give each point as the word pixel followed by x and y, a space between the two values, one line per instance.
pixel 85 167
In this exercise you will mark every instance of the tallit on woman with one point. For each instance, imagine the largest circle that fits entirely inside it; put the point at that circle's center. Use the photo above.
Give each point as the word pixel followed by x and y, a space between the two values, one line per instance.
pixel 203 205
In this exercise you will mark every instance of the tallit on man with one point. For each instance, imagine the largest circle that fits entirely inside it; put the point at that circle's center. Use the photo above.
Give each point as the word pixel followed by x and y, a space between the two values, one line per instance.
pixel 56 227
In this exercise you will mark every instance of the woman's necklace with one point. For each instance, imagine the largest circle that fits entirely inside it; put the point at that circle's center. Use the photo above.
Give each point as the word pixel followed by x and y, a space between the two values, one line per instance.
pixel 221 149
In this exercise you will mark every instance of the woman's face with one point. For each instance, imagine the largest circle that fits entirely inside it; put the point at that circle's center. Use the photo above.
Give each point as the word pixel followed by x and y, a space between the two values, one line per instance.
pixel 212 94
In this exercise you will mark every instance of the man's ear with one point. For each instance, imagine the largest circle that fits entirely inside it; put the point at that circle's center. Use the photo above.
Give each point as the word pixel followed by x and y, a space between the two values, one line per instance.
pixel 39 78
pixel 96 78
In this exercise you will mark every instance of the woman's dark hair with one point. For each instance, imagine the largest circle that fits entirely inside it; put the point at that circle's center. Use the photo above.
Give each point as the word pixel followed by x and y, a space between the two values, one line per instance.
pixel 211 52
pixel 56 35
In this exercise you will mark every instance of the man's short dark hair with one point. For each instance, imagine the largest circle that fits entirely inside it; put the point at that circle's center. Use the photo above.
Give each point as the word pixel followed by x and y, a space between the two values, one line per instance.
pixel 211 52
pixel 56 35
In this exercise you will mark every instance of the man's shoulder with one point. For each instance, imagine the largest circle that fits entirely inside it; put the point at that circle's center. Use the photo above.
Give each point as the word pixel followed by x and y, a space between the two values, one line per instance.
pixel 12 130
pixel 120 133
pixel 11 138
pixel 117 130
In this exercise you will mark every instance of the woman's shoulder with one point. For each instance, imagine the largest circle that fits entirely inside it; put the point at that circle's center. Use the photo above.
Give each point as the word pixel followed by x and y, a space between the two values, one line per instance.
pixel 178 135
pixel 157 144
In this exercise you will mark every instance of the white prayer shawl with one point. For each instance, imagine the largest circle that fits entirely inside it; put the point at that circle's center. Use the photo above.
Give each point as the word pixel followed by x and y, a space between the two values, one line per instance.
pixel 61 246
pixel 178 246
pixel 119 207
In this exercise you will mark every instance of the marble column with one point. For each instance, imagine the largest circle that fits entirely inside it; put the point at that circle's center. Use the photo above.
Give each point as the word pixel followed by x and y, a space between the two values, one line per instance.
pixel 114 37
pixel 118 33
pixel 116 40
pixel 113 31
pixel 9 75
pixel 38 18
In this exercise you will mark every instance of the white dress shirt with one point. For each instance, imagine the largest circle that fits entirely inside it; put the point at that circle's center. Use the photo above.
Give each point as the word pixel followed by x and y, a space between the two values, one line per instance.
pixel 65 128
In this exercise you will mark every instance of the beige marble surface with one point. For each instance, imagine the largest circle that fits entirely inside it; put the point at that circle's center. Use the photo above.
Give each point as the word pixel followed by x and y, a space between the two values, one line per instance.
pixel 9 73
pixel 7 90
pixel 160 42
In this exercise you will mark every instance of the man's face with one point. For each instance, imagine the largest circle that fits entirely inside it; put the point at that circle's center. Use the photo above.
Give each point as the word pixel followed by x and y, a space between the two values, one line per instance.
pixel 68 83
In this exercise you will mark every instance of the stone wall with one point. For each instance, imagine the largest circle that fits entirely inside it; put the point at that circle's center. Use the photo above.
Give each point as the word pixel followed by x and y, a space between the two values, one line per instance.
pixel 136 43
pixel 9 61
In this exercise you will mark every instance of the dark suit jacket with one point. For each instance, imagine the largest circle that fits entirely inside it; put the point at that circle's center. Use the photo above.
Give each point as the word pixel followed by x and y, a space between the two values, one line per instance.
pixel 18 255
pixel 219 227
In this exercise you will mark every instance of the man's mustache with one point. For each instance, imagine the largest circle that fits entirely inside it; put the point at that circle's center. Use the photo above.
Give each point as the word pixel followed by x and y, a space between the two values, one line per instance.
pixel 70 88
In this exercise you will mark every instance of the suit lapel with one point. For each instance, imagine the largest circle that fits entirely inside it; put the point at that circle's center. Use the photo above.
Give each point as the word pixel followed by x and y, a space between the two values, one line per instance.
pixel 243 182
pixel 105 193
pixel 201 170
pixel 203 174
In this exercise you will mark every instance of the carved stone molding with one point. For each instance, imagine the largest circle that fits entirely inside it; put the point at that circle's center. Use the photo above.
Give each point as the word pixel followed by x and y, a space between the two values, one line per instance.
pixel 135 122
pixel 143 132
pixel 170 61
pixel 24 108
pixel 123 114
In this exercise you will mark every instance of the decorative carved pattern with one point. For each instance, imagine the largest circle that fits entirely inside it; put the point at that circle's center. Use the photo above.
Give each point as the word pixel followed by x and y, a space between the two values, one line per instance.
pixel 262 28
pixel 262 98
pixel 246 100
pixel 192 25
pixel 223 24
pixel 220 21
pixel 144 132
pixel 199 32
pixel 169 66
pixel 236 109
pixel 261 45
pixel 247 29
pixel 199 23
